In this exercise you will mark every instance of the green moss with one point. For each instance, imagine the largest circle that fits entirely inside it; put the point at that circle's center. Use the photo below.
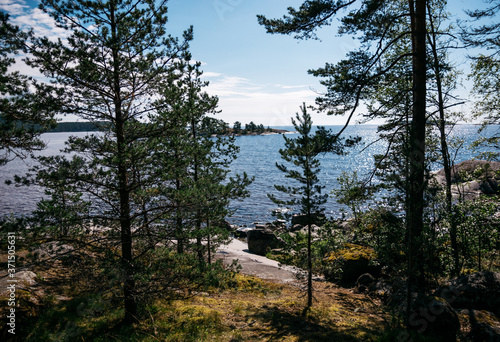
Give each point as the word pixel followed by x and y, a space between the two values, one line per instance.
pixel 352 252
pixel 487 318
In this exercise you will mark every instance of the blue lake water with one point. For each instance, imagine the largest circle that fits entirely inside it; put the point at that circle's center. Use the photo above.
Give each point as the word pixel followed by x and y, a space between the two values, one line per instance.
pixel 258 156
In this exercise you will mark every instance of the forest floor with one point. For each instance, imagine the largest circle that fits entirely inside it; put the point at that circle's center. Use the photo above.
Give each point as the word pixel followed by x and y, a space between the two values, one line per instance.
pixel 266 304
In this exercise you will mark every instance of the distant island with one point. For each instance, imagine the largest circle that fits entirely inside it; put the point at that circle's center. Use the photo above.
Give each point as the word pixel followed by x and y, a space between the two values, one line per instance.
pixel 252 129
pixel 237 130
pixel 79 126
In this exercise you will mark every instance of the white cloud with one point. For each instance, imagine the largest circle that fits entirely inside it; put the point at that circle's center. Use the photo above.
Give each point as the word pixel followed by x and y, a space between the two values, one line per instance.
pixel 224 86
pixel 291 86
pixel 241 99
pixel 13 7
pixel 41 22
pixel 24 69
pixel 25 17
pixel 210 74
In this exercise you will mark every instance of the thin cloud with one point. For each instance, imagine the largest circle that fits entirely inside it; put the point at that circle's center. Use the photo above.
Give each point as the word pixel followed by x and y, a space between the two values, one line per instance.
pixel 13 7
pixel 210 74
pixel 261 103
pixel 26 18
pixel 291 86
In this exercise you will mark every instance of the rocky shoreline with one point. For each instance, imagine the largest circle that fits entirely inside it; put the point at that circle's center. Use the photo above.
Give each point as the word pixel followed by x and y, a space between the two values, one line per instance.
pixel 470 179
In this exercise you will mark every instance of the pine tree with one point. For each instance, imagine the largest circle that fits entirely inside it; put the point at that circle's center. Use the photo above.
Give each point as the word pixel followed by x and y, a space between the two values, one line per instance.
pixel 381 26
pixel 24 113
pixel 302 153
pixel 109 68
pixel 483 33
pixel 198 163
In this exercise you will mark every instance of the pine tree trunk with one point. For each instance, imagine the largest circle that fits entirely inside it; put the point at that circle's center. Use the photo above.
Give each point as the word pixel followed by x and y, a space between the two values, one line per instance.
pixel 309 264
pixel 445 154
pixel 180 238
pixel 123 189
pixel 309 240
pixel 126 233
pixel 415 209
pixel 209 252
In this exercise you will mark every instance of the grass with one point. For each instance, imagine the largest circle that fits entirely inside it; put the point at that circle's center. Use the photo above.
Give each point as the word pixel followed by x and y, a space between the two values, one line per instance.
pixel 252 310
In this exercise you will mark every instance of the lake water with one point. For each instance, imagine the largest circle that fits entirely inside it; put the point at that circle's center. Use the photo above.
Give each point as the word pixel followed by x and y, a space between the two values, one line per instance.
pixel 258 156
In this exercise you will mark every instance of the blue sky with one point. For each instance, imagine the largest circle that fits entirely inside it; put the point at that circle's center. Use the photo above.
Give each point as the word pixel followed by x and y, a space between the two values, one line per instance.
pixel 257 76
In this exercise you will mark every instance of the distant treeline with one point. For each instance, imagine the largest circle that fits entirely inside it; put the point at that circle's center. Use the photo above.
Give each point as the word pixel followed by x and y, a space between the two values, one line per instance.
pixel 210 126
pixel 79 126
pixel 252 129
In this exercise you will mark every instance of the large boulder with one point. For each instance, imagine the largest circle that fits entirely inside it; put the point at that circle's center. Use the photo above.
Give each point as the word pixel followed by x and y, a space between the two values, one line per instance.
pixel 242 232
pixel 474 177
pixel 485 327
pixel 349 263
pixel 479 169
pixel 433 316
pixel 52 250
pixel 478 291
pixel 23 280
pixel 260 241
pixel 304 230
pixel 317 219
pixel 365 282
pixel 224 225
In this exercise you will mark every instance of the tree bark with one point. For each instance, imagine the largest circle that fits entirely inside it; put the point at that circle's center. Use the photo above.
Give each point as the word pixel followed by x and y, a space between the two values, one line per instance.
pixel 415 209
pixel 123 188
pixel 445 153
pixel 309 239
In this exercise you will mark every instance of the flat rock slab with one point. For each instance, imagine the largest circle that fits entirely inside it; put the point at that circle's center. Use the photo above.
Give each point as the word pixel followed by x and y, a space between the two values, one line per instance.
pixel 256 265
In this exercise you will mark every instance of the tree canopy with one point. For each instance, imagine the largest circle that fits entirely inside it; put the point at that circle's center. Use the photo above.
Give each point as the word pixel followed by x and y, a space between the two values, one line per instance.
pixel 26 106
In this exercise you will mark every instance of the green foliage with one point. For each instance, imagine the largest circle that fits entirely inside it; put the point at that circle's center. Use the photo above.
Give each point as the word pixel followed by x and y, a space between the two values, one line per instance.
pixel 237 127
pixel 329 237
pixel 301 153
pixel 197 182
pixel 352 192
pixel 352 252
pixel 164 273
pixel 382 230
pixel 152 174
pixel 485 72
pixel 479 234
pixel 27 107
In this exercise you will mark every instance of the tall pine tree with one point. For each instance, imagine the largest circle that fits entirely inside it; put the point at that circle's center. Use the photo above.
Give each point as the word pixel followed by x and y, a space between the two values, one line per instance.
pixel 301 153
pixel 380 26
pixel 116 54
pixel 24 113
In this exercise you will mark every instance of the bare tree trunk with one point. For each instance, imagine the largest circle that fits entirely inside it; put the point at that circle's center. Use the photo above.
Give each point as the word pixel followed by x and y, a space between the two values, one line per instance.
pixel 445 152
pixel 123 189
pixel 415 209
pixel 309 265
pixel 309 240
pixel 209 252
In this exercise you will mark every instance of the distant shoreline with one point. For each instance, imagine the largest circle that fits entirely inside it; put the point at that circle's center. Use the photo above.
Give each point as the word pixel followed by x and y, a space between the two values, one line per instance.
pixel 268 131
pixel 69 127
